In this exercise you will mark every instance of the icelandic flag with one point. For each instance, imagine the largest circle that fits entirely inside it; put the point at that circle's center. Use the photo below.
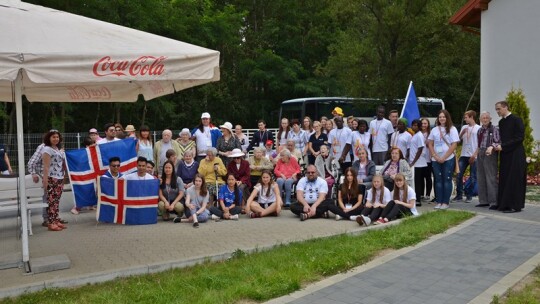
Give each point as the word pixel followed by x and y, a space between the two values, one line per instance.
pixel 410 107
pixel 128 202
pixel 85 165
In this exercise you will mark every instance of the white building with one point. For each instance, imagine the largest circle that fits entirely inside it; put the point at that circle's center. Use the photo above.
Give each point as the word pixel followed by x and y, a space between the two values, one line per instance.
pixel 510 46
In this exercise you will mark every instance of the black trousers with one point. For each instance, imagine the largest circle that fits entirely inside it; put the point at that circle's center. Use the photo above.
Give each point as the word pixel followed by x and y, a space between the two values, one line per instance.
pixel 297 208
pixel 393 211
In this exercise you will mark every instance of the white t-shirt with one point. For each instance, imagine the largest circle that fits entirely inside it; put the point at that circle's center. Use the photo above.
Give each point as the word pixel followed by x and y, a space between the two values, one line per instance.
pixel 338 138
pixel 312 189
pixel 416 143
pixel 105 140
pixel 401 140
pixel 56 167
pixel 203 140
pixel 379 130
pixel 263 198
pixel 470 139
pixel 411 195
pixel 360 141
pixel 135 176
pixel 426 154
pixel 439 145
pixel 374 197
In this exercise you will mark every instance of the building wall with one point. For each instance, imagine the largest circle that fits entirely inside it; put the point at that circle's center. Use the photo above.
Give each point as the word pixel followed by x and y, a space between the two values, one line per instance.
pixel 510 51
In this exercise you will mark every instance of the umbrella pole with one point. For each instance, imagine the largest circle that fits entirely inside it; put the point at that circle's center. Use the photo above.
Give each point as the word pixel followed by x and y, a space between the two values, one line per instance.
pixel 22 181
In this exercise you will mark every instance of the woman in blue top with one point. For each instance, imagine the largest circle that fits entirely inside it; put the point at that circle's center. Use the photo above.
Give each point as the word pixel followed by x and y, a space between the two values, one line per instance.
pixel 230 200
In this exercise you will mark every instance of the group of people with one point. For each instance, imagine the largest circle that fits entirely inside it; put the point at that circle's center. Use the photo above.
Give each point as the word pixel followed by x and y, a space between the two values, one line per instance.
pixel 206 172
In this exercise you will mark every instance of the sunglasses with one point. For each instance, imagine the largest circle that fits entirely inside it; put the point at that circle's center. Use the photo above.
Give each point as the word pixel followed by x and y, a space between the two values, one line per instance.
pixel 115 166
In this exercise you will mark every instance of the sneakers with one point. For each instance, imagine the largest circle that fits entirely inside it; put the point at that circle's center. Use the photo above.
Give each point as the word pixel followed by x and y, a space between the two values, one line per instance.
pixel 215 217
pixel 338 217
pixel 468 199
pixel 196 225
pixel 74 211
pixel 380 221
pixel 418 204
pixel 359 220
pixel 177 219
pixel 457 199
pixel 438 206
pixel 234 217
pixel 444 206
pixel 326 215
pixel 366 220
pixel 304 216
pixel 353 217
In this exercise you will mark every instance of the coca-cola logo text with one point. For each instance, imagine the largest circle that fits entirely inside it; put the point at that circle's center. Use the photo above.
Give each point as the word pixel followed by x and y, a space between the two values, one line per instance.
pixel 84 93
pixel 142 66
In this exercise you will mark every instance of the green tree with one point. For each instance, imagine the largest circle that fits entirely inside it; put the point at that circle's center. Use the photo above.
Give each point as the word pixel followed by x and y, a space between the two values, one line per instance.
pixel 517 103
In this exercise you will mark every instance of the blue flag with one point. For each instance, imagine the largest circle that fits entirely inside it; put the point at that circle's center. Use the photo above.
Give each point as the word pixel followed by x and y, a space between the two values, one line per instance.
pixel 410 107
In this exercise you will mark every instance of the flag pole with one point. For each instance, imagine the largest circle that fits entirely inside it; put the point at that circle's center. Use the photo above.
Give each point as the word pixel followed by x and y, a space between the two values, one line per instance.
pixel 406 99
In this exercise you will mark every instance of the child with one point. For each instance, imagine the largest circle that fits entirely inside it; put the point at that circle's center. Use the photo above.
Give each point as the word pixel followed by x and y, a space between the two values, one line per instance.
pixel 404 201
pixel 377 198
pixel 230 199
pixel 196 199
pixel 269 201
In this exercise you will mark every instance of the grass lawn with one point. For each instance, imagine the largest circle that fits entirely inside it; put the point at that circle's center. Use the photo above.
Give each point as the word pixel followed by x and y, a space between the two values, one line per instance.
pixel 533 194
pixel 525 292
pixel 259 276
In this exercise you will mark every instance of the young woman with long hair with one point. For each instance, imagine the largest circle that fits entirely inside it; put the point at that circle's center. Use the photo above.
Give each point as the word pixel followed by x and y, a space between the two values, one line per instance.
pixel 230 200
pixel 268 197
pixel 350 197
pixel 376 200
pixel 403 202
pixel 197 197
pixel 171 192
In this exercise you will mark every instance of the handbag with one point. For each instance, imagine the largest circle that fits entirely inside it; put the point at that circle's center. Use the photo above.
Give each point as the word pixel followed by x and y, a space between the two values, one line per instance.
pixel 456 166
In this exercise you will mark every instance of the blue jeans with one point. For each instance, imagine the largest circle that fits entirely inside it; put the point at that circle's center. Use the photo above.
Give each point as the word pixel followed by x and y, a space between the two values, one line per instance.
pixel 285 185
pixel 463 164
pixel 443 180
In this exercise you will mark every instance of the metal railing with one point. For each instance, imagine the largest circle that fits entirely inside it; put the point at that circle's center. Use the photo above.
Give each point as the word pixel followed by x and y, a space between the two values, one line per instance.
pixel 70 141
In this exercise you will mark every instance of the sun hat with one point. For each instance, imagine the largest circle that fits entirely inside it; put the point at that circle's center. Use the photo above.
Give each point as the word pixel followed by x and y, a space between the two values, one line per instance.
pixel 205 115
pixel 236 153
pixel 130 128
pixel 338 111
pixel 93 130
pixel 227 125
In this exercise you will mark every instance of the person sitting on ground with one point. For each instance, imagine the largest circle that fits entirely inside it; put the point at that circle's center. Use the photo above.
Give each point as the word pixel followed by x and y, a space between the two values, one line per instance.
pixel 376 200
pixel 162 146
pixel 365 168
pixel 226 143
pixel 396 164
pixel 350 197
pixel 171 192
pixel 187 168
pixel 258 163
pixel 114 168
pixel 311 196
pixel 140 174
pixel 110 134
pixel 326 167
pixel 197 197
pixel 286 172
pixel 403 203
pixel 185 143
pixel 213 170
pixel 239 167
pixel 230 198
pixel 268 201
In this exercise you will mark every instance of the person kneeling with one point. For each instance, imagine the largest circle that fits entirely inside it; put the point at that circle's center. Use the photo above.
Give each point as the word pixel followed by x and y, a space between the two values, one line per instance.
pixel 269 199
pixel 404 202
pixel 230 199
pixel 311 195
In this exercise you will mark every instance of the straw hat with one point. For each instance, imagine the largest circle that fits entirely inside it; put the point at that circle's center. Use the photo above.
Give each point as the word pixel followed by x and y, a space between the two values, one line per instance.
pixel 130 128
pixel 236 153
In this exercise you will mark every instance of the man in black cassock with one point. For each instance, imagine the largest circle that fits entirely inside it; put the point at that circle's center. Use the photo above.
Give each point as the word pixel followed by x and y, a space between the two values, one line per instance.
pixel 513 168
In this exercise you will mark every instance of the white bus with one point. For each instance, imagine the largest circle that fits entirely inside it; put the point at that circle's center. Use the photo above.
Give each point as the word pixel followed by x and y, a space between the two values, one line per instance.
pixel 363 108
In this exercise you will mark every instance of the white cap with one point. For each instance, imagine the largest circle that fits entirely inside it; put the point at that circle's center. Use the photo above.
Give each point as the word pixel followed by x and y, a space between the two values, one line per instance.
pixel 205 115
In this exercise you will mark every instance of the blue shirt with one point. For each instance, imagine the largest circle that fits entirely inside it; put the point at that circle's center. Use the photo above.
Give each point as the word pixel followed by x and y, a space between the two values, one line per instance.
pixel 228 196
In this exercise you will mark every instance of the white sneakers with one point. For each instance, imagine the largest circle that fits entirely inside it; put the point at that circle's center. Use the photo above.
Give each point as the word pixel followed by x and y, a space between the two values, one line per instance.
pixel 234 217
pixel 338 217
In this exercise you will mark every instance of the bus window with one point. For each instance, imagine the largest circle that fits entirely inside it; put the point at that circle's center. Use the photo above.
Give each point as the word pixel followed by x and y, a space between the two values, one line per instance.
pixel 291 110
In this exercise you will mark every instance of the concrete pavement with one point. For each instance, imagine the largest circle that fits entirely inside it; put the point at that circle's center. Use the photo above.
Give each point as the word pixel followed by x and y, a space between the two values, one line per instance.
pixel 485 250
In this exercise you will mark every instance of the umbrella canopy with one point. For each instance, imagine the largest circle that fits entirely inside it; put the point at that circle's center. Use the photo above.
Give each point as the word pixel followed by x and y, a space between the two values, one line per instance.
pixel 70 58
pixel 50 55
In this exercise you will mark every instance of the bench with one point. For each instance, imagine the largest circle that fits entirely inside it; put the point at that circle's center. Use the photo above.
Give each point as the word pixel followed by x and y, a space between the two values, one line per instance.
pixel 9 195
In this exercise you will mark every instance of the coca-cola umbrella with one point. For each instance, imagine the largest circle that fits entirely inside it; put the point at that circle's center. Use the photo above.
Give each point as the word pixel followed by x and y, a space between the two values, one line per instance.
pixel 53 56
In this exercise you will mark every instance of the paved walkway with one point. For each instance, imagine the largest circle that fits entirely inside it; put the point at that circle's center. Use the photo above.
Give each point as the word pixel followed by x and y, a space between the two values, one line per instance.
pixel 468 264
pixel 455 267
